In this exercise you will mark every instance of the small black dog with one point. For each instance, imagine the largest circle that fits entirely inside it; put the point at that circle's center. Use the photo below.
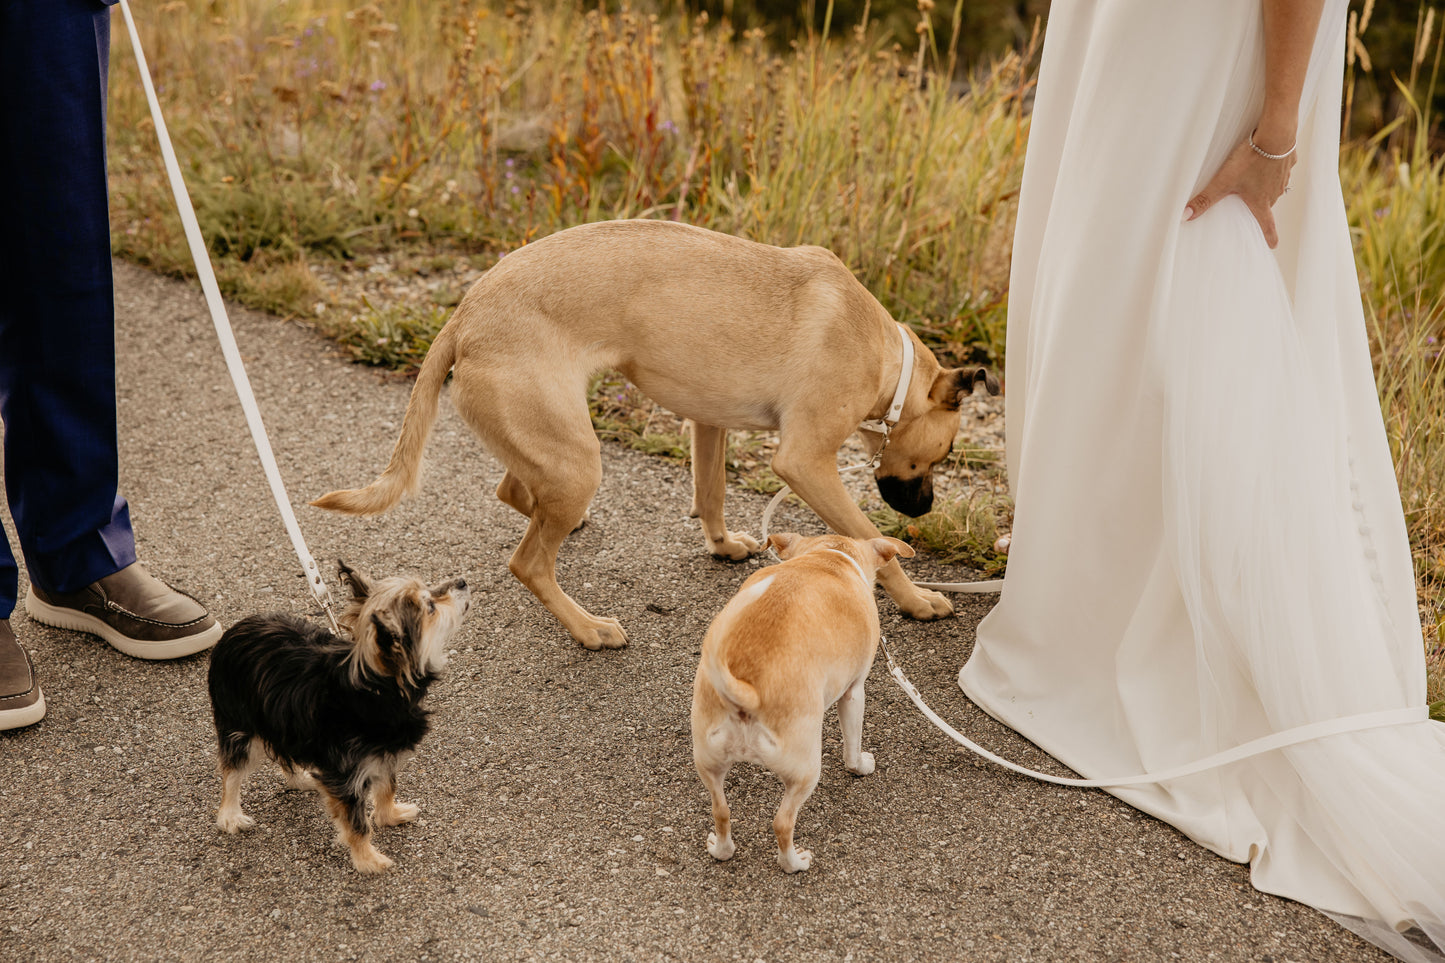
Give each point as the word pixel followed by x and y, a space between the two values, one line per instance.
pixel 339 717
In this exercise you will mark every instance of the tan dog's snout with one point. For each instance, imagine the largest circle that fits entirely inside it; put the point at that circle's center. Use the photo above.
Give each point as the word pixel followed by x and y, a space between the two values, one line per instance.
pixel 908 496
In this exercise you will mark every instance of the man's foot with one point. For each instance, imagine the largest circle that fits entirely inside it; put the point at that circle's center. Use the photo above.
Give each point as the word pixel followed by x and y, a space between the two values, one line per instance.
pixel 134 611
pixel 21 701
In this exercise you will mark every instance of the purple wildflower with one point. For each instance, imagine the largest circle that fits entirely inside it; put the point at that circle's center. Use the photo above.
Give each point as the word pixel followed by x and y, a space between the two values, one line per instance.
pixel 378 86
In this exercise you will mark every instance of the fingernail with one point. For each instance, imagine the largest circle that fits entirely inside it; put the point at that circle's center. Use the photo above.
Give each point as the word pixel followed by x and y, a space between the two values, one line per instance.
pixel 1189 214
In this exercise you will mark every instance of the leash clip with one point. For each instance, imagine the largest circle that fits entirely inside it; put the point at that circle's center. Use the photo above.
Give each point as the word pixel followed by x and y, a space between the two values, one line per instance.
pixel 880 427
pixel 322 594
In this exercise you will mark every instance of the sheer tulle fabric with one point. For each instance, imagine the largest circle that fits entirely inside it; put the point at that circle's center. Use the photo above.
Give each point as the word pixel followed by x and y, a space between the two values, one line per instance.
pixel 1208 543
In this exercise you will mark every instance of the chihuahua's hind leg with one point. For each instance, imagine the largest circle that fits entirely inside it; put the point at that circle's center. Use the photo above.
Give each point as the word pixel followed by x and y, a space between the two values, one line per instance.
pixel 850 718
pixel 799 785
pixel 714 775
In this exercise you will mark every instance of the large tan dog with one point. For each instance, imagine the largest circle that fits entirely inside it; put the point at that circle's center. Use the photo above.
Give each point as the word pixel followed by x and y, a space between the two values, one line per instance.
pixel 797 638
pixel 725 332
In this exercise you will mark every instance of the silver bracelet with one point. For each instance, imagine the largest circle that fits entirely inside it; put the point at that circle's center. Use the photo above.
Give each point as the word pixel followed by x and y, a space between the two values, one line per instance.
pixel 1266 154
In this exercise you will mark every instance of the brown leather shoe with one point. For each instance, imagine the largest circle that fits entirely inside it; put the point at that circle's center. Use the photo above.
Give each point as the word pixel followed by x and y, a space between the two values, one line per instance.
pixel 21 701
pixel 134 611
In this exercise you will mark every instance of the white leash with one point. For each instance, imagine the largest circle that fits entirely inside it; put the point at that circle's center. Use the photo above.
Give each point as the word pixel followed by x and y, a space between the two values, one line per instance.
pixel 207 276
pixel 1279 740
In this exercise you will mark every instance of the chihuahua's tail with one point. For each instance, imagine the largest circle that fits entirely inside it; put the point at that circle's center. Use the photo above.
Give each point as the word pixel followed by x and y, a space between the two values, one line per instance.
pixel 732 689
pixel 402 476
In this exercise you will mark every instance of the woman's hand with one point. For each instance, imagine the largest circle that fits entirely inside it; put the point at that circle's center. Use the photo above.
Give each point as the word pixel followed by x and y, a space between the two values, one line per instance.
pixel 1258 180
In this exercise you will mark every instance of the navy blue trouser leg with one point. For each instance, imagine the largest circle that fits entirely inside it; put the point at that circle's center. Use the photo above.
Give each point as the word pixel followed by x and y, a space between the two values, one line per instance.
pixel 57 312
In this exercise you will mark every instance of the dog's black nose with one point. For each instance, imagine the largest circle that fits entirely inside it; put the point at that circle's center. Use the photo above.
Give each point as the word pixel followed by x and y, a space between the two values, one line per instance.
pixel 911 496
pixel 461 583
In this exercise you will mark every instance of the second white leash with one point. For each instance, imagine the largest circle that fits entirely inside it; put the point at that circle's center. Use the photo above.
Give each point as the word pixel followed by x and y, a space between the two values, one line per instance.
pixel 207 276
pixel 1255 747
pixel 1278 740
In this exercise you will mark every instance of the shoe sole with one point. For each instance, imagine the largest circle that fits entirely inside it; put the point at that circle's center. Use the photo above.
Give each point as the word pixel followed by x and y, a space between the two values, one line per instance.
pixel 25 715
pixel 80 622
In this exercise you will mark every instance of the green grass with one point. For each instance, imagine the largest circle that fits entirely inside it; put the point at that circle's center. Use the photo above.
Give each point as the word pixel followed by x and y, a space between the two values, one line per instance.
pixel 317 133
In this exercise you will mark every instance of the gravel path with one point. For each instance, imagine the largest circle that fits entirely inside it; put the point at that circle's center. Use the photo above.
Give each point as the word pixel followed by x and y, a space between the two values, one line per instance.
pixel 561 817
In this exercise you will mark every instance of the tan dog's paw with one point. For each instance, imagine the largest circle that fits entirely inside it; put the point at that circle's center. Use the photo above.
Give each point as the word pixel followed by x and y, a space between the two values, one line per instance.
pixel 233 821
pixel 926 606
pixel 720 851
pixel 865 765
pixel 735 546
pixel 795 860
pixel 601 633
pixel 396 814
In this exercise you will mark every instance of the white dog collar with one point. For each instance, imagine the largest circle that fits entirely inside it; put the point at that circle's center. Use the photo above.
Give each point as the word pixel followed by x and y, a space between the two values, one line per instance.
pixel 867 585
pixel 905 378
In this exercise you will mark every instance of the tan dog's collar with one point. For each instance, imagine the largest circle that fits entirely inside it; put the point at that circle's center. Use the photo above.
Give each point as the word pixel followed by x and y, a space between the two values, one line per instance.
pixel 905 378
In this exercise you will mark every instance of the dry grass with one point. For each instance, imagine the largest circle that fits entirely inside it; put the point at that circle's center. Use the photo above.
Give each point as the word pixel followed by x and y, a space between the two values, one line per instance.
pixel 314 132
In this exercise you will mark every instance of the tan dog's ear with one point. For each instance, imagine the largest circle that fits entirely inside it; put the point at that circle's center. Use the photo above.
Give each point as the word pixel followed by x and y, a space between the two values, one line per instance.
pixel 887 548
pixel 952 385
pixel 358 582
pixel 783 542
pixel 990 383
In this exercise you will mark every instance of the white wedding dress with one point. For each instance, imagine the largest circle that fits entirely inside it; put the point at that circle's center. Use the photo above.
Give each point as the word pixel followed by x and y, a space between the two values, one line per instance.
pixel 1208 543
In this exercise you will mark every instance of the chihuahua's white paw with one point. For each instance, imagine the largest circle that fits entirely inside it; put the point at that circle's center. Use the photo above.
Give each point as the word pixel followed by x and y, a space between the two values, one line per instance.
pixel 233 821
pixel 795 860
pixel 865 765
pixel 720 850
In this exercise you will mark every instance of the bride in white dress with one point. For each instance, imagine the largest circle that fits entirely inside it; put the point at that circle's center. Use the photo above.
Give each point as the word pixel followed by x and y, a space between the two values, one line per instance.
pixel 1208 543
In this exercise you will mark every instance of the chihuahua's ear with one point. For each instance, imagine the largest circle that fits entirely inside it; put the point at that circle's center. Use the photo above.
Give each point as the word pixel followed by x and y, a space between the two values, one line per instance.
pixel 986 377
pixel 783 542
pixel 887 548
pixel 358 582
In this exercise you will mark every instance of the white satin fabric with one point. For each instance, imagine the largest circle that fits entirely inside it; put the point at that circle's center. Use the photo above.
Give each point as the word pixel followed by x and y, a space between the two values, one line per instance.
pixel 1208 543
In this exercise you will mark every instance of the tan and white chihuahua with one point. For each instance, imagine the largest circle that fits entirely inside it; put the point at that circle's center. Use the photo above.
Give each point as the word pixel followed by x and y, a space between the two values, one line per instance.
pixel 797 638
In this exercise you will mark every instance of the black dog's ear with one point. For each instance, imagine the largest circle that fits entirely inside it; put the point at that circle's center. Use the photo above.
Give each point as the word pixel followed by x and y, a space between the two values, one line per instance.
pixel 990 383
pixel 359 582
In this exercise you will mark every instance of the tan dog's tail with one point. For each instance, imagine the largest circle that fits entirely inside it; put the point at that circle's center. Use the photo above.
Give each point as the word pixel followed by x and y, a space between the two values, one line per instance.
pixel 402 476
pixel 730 688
